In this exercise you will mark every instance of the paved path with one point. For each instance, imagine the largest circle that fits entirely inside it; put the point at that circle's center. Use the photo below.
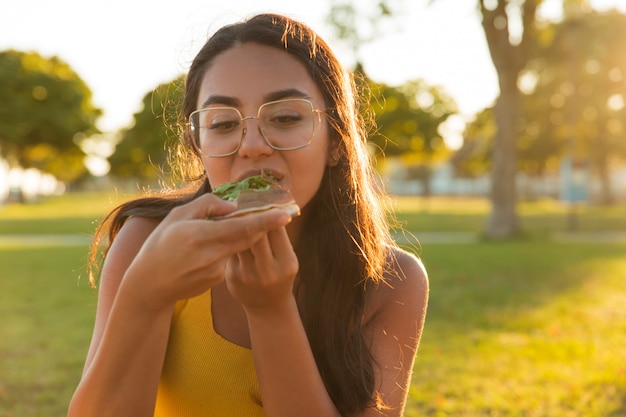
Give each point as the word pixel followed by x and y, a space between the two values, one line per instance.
pixel 44 240
pixel 424 238
pixel 590 237
pixel 437 238
pixel 434 238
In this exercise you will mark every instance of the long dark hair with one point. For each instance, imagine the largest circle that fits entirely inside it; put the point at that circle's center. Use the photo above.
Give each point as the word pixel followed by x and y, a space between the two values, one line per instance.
pixel 348 240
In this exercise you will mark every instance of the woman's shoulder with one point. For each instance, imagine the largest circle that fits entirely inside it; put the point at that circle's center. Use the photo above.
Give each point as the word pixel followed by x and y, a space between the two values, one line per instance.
pixel 135 231
pixel 405 272
pixel 125 247
pixel 405 283
pixel 404 265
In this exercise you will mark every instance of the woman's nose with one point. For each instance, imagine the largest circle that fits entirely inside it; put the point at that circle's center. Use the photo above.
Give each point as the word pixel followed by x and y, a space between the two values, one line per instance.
pixel 253 143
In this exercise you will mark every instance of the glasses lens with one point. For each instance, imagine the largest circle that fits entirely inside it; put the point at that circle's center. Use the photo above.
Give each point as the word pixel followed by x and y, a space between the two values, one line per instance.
pixel 217 130
pixel 287 124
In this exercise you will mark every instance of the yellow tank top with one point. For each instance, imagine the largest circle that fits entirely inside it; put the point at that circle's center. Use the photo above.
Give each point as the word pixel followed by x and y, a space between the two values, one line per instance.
pixel 204 374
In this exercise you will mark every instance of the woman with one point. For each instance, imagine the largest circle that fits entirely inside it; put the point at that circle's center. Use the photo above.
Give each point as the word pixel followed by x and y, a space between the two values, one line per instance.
pixel 259 315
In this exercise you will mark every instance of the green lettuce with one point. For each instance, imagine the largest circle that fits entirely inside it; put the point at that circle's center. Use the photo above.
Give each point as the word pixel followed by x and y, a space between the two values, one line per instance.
pixel 230 190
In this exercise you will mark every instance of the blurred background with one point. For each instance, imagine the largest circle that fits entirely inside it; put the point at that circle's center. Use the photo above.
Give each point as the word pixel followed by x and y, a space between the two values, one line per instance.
pixel 501 136
pixel 503 99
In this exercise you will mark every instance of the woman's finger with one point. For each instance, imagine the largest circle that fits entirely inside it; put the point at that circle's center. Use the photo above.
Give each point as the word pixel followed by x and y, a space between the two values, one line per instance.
pixel 203 207
pixel 278 240
pixel 241 233
pixel 261 251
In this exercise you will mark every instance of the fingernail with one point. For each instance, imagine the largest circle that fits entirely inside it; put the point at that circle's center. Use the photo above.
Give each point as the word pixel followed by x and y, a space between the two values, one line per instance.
pixel 287 218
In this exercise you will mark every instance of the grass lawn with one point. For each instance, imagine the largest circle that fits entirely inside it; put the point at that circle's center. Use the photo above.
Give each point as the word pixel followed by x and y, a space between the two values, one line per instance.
pixel 521 328
pixel 537 217
pixel 72 213
pixel 47 309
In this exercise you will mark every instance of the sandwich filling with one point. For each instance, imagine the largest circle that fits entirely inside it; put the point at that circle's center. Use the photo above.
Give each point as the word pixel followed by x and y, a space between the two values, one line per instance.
pixel 255 194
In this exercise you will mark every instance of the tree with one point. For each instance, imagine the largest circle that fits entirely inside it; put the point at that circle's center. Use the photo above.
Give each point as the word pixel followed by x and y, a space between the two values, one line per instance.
pixel 408 118
pixel 580 71
pixel 573 100
pixel 47 110
pixel 142 152
pixel 357 26
pixel 509 55
pixel 474 157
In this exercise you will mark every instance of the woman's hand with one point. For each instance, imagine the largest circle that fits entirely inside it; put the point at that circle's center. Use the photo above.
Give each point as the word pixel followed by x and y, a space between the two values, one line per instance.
pixel 262 276
pixel 187 254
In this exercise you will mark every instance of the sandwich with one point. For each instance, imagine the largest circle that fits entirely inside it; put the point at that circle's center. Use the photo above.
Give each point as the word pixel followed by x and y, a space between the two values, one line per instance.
pixel 256 194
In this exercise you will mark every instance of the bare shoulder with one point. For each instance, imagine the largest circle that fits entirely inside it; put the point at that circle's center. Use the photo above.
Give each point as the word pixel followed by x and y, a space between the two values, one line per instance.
pixel 405 285
pixel 136 230
pixel 132 235
pixel 124 248
pixel 406 270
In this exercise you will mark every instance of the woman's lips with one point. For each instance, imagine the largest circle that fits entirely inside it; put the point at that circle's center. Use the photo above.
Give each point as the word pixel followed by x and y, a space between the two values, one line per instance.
pixel 276 174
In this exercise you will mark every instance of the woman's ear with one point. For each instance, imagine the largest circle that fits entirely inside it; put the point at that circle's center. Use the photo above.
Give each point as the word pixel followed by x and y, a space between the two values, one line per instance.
pixel 334 157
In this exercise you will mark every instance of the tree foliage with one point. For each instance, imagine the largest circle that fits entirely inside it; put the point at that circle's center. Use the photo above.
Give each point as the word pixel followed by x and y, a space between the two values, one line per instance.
pixel 578 105
pixel 358 24
pixel 573 103
pixel 143 149
pixel 47 110
pixel 408 118
pixel 474 157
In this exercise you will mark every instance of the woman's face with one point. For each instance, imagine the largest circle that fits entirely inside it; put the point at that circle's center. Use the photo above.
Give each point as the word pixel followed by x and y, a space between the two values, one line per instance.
pixel 245 77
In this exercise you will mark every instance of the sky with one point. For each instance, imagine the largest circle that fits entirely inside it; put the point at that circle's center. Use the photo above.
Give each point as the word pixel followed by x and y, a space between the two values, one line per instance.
pixel 123 49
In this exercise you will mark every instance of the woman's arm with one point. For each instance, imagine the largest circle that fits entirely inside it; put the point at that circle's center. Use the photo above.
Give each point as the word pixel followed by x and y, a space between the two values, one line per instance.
pixel 148 268
pixel 128 344
pixel 288 376
pixel 261 279
pixel 395 330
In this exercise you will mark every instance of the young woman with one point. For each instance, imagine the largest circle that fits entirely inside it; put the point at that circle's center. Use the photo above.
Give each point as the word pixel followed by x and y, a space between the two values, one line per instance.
pixel 259 315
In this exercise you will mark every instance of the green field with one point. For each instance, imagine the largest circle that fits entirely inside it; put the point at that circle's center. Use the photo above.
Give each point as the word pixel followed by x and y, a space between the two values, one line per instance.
pixel 530 327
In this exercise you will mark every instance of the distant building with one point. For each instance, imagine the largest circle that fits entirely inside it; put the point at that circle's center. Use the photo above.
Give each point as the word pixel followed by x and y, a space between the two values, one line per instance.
pixel 443 181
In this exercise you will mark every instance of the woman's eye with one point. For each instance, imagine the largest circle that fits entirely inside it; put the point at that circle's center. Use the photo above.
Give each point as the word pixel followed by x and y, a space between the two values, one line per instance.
pixel 286 119
pixel 224 126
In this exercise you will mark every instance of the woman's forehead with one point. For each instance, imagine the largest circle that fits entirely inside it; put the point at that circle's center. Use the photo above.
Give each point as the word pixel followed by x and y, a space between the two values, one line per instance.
pixel 254 72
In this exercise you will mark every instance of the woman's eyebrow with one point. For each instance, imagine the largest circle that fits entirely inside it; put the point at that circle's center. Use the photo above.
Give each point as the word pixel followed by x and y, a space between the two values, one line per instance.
pixel 273 96
pixel 217 99
pixel 286 93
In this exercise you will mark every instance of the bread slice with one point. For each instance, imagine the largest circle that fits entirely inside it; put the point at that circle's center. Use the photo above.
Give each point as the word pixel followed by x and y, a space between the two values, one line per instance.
pixel 255 201
pixel 256 194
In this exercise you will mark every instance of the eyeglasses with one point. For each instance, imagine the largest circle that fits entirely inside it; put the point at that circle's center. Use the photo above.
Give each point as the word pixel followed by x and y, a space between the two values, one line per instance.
pixel 284 124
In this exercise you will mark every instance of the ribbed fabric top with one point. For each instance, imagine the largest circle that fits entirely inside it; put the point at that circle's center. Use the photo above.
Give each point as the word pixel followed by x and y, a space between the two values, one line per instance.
pixel 204 374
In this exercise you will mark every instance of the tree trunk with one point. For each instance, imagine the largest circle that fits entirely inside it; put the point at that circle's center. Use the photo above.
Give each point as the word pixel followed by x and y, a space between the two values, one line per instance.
pixel 508 59
pixel 426 179
pixel 606 197
pixel 503 221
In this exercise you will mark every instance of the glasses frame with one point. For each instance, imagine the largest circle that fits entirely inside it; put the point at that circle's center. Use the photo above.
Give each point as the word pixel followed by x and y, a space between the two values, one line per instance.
pixel 195 132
